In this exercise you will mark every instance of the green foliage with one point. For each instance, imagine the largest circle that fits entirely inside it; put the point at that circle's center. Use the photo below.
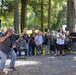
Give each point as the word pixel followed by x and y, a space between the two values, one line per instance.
pixel 58 13
pixel 6 13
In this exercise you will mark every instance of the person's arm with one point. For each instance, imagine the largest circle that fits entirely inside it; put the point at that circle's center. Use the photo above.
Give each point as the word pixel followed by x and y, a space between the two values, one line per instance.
pixel 72 37
pixel 62 37
pixel 57 35
pixel 5 37
pixel 25 43
pixel 17 44
pixel 24 30
pixel 36 38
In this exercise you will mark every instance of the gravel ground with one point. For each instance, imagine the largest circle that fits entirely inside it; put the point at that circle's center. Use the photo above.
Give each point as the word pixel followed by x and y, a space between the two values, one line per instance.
pixel 44 65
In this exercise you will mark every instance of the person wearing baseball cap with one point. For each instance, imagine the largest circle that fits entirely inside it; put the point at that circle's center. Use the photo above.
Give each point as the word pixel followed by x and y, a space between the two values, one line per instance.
pixel 6 41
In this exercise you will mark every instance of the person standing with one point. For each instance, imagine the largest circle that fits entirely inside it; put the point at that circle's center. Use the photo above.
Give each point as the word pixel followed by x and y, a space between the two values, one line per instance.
pixel 60 37
pixel 39 42
pixel 53 45
pixel 46 43
pixel 26 38
pixel 33 45
pixel 6 49
pixel 73 40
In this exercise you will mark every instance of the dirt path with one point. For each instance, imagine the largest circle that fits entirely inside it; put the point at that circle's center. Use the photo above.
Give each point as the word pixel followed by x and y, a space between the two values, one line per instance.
pixel 44 65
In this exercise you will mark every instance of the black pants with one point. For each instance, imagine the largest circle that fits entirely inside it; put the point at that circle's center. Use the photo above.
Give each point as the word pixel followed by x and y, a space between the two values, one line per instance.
pixel 33 49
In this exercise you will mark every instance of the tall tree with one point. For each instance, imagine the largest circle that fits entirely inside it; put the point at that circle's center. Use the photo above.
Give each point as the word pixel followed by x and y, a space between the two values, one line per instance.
pixel 16 16
pixel 42 27
pixel 49 14
pixel 70 15
pixel 23 14
pixel 0 23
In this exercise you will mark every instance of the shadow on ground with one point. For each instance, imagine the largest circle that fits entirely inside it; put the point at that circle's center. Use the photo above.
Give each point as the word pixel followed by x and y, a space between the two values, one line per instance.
pixel 44 65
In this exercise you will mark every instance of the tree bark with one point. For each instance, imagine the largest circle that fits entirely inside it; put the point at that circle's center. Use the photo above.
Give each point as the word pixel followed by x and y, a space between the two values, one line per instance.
pixel 0 23
pixel 16 17
pixel 49 14
pixel 2 1
pixel 42 27
pixel 70 15
pixel 23 14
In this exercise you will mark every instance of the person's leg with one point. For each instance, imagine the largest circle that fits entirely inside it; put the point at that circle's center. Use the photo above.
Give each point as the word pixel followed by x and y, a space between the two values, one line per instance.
pixel 63 51
pixel 58 49
pixel 3 60
pixel 36 50
pixel 13 58
pixel 27 50
pixel 30 50
pixel 33 49
pixel 41 49
pixel 72 45
pixel 45 46
pixel 48 49
pixel 15 50
pixel 75 46
pixel 52 49
pixel 19 52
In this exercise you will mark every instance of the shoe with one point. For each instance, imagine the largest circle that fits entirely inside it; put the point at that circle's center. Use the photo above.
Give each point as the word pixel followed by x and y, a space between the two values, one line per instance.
pixel 25 57
pixel 57 54
pixel 13 68
pixel 63 54
pixel 2 72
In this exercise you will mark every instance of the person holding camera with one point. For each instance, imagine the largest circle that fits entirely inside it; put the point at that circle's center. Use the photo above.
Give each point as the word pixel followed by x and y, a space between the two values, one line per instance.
pixel 60 37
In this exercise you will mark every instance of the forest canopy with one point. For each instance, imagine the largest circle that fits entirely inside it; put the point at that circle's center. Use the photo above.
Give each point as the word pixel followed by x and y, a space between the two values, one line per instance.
pixel 35 10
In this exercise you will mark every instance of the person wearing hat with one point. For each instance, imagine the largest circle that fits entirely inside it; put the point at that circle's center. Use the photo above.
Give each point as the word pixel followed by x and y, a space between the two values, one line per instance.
pixel 6 41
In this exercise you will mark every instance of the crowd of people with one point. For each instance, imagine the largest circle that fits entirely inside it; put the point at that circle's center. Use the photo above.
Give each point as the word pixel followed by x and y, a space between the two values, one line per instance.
pixel 53 43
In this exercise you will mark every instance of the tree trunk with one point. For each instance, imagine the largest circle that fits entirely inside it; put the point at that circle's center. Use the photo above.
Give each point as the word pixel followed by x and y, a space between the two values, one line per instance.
pixel 16 17
pixel 23 14
pixel 42 27
pixel 0 23
pixel 70 15
pixel 2 2
pixel 2 6
pixel 49 14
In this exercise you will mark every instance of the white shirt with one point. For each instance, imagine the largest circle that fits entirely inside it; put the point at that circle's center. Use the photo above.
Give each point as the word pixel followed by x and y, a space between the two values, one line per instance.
pixel 59 40
pixel 38 40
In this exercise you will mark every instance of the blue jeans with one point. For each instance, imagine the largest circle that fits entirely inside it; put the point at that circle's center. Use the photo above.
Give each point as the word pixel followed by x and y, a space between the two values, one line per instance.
pixel 20 50
pixel 27 47
pixel 4 56
pixel 30 50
